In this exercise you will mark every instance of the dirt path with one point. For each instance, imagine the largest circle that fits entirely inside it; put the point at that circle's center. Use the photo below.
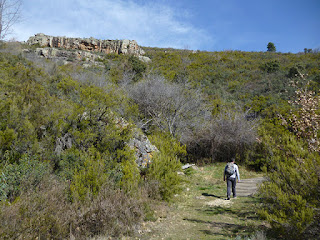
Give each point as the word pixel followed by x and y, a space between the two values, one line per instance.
pixel 203 213
pixel 248 187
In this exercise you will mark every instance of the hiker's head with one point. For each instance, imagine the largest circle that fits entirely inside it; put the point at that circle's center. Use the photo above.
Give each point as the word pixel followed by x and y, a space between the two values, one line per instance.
pixel 232 160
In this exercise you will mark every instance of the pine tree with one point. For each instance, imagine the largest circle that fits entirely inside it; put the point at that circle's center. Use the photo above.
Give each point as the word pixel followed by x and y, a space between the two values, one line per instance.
pixel 271 47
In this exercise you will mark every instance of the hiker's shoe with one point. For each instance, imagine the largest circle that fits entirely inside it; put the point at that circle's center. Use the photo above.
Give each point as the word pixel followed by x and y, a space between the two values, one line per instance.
pixel 228 198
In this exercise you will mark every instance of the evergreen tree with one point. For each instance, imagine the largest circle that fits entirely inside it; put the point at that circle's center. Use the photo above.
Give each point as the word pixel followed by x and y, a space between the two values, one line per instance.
pixel 271 47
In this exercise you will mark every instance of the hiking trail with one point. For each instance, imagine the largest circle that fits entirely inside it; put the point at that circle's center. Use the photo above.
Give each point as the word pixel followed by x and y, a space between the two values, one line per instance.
pixel 248 187
pixel 200 211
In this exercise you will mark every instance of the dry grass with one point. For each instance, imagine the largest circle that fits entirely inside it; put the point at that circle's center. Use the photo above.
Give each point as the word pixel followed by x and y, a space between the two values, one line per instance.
pixel 48 214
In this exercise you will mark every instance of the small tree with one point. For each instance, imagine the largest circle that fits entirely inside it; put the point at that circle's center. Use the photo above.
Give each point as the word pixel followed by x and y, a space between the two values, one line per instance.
pixel 172 107
pixel 271 47
pixel 305 118
pixel 307 50
pixel 9 15
pixel 306 122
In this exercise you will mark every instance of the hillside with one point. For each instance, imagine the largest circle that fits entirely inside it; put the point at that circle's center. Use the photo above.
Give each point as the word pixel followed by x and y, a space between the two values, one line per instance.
pixel 101 134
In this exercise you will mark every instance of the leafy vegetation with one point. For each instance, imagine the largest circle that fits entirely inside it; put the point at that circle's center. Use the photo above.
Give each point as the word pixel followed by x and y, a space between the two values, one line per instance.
pixel 291 196
pixel 271 47
pixel 64 124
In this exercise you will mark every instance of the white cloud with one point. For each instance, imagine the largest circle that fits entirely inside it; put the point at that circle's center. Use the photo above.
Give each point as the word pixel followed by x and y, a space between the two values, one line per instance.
pixel 152 24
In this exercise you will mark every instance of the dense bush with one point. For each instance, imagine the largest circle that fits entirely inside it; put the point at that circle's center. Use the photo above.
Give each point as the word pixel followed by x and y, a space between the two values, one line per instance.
pixel 165 165
pixel 228 135
pixel 47 213
pixel 25 175
pixel 291 196
pixel 72 129
pixel 270 67
pixel 164 170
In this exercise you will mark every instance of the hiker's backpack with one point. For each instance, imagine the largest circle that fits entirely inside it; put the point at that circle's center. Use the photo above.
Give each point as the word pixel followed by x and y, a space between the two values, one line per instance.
pixel 230 169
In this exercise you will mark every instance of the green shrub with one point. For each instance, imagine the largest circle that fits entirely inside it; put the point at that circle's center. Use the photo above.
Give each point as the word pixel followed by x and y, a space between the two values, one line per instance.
pixel 291 196
pixel 96 169
pixel 270 67
pixel 131 177
pixel 259 157
pixel 164 169
pixel 7 137
pixel 87 181
pixel 18 177
pixel 162 173
pixel 69 162
pixel 137 66
pixel 168 145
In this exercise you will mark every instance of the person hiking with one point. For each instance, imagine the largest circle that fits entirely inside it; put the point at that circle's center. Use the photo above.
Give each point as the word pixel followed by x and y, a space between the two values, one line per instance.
pixel 231 174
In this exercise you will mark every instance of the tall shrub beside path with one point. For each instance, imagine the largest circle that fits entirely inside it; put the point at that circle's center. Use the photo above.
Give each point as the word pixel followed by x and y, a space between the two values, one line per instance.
pixel 291 196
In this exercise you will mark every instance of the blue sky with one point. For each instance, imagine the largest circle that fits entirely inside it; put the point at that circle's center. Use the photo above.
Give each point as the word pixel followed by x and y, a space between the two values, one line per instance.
pixel 211 25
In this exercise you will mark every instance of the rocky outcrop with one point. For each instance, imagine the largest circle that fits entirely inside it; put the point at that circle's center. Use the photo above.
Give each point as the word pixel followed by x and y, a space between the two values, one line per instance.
pixel 88 44
pixel 143 149
pixel 84 57
pixel 140 143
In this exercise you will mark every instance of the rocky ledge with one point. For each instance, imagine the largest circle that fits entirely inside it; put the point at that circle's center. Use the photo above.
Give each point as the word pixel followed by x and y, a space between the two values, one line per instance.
pixel 85 58
pixel 89 44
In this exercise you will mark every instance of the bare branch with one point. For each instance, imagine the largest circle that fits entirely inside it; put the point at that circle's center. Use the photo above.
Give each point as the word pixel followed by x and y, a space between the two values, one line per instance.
pixel 172 107
pixel 230 133
pixel 9 15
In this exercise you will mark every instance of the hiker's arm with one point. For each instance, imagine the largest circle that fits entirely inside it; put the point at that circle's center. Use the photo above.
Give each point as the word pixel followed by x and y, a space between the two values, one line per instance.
pixel 224 174
pixel 238 174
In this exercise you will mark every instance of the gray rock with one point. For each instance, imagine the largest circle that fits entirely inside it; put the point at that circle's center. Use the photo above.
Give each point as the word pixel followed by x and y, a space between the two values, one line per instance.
pixel 187 166
pixel 89 44
pixel 144 59
pixel 62 143
pixel 143 148
pixel 87 59
pixel 200 197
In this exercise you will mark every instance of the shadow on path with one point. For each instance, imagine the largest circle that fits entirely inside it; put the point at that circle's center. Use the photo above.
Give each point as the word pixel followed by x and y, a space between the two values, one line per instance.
pixel 220 225
pixel 211 195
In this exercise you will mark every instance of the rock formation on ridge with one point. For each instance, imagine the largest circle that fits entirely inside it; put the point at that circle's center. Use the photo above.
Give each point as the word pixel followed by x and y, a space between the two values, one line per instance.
pixel 89 44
